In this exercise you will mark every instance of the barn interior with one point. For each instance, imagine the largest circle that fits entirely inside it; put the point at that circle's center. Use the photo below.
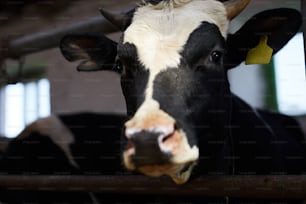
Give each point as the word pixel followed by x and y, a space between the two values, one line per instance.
pixel 42 82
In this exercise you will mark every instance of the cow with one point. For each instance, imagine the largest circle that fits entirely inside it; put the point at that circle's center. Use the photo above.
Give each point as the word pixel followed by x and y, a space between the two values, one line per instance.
pixel 66 144
pixel 182 119
pixel 173 58
pixel 4 141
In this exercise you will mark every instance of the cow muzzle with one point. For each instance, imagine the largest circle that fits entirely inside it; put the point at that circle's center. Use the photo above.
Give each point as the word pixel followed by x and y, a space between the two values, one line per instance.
pixel 156 147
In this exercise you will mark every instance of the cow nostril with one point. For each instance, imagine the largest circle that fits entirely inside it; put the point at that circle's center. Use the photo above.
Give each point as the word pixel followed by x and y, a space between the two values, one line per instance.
pixel 166 138
pixel 168 134
pixel 168 142
pixel 142 140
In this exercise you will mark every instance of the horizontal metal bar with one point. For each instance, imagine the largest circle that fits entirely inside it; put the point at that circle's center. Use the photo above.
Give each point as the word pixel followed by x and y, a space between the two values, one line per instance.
pixel 44 40
pixel 278 187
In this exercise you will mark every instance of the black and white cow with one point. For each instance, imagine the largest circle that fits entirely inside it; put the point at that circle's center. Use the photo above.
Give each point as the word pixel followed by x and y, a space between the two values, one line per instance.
pixel 183 121
pixel 173 57
pixel 75 144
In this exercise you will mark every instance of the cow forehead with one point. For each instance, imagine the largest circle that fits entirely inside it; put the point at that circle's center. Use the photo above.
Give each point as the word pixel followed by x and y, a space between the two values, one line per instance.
pixel 160 34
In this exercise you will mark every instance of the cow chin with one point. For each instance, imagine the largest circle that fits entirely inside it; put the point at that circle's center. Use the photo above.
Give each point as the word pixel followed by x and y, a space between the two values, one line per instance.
pixel 179 166
pixel 180 173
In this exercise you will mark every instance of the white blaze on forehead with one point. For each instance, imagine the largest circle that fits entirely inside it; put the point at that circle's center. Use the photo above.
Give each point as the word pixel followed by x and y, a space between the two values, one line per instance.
pixel 160 34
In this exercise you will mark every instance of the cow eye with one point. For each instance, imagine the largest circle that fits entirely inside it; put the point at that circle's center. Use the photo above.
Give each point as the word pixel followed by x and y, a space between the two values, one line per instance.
pixel 216 56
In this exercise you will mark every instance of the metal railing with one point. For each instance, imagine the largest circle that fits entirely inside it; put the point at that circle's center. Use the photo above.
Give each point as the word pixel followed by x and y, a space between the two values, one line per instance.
pixel 44 40
pixel 272 187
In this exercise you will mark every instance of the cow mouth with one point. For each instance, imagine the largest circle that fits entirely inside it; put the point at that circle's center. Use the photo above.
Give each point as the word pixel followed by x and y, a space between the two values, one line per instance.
pixel 181 159
pixel 179 173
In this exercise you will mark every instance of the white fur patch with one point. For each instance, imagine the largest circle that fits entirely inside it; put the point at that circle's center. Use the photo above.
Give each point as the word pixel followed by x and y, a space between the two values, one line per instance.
pixel 185 153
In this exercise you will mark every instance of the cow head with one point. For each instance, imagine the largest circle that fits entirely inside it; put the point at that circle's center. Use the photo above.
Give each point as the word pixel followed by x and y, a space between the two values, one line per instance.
pixel 173 56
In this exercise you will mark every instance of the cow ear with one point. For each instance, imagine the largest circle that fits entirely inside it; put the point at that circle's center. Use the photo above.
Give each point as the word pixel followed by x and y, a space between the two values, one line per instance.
pixel 279 25
pixel 95 52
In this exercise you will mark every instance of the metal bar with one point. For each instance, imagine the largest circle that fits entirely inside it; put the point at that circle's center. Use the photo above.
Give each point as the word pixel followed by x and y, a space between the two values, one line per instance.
pixel 44 40
pixel 278 187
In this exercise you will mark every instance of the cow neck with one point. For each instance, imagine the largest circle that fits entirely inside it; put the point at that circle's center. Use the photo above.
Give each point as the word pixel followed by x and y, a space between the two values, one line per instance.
pixel 218 151
pixel 229 137
pixel 247 119
pixel 225 128
pixel 225 125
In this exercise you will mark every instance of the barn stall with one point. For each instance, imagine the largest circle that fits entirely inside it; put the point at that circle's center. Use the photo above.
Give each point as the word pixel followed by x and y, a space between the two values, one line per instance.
pixel 29 44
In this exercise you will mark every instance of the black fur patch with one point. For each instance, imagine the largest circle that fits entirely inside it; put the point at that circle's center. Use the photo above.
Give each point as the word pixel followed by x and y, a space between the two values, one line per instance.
pixel 186 92
pixel 201 43
pixel 135 77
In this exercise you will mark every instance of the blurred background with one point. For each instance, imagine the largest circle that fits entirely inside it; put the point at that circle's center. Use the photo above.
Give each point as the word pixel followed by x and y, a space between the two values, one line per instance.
pixel 48 84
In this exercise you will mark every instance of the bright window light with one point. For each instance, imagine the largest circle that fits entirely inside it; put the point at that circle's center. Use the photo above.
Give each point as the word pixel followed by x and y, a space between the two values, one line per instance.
pixel 44 107
pixel 14 114
pixel 22 104
pixel 290 77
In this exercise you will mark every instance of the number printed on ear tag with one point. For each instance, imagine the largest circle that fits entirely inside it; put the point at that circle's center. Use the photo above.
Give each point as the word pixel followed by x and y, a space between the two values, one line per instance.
pixel 261 54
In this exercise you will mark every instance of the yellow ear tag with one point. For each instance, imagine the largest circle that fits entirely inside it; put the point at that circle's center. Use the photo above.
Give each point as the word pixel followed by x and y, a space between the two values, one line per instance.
pixel 261 54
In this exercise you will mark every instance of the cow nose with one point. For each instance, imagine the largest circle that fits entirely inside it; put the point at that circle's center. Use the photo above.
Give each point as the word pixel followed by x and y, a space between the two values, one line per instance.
pixel 150 146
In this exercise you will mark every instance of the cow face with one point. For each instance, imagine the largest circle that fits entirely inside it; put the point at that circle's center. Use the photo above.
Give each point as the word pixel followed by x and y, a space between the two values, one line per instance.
pixel 170 77
pixel 171 60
